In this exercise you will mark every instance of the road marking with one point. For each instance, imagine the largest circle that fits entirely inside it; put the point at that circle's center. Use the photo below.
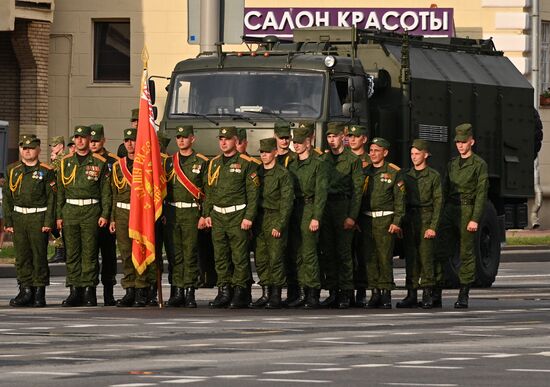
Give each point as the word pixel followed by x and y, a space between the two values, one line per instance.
pixel 281 341
pixel 417 362
pixel 196 345
pixel 370 365
pixel 430 367
pixel 322 341
pixel 457 358
pixel 234 376
pixel 45 373
pixel 133 385
pixel 526 370
pixel 57 353
pixel 182 381
pixel 295 381
pixel 308 364
pixel 38 328
pixel 284 372
pixel 237 320
pixel 502 355
pixel 73 358
pixel 162 323
pixel 542 354
pixel 6 356
pixel 420 384
pixel 330 369
pixel 523 275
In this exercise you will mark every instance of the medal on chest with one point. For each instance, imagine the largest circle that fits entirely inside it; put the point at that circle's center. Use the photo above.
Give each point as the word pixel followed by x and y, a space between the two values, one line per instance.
pixel 38 175
pixel 196 168
pixel 385 178
pixel 236 168
pixel 92 172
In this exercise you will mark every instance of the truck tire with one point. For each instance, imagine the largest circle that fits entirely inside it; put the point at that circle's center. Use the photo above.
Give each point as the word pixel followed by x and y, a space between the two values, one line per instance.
pixel 487 247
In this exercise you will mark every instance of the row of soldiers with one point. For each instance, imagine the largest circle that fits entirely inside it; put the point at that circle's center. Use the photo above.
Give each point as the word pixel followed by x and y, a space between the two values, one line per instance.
pixel 314 220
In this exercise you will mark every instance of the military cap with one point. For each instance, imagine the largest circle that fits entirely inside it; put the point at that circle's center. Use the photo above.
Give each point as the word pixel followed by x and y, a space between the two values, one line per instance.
pixel 463 132
pixel 309 125
pixel 135 115
pixel 282 129
pixel 241 134
pixel 421 145
pixel 268 144
pixel 71 141
pixel 163 139
pixel 357 130
pixel 335 128
pixel 228 132
pixel 130 134
pixel 300 134
pixel 382 142
pixel 56 140
pixel 30 142
pixel 97 132
pixel 24 137
pixel 82 131
pixel 185 131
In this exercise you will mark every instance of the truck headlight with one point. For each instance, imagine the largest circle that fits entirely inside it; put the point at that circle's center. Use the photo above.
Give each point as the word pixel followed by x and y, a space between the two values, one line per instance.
pixel 330 61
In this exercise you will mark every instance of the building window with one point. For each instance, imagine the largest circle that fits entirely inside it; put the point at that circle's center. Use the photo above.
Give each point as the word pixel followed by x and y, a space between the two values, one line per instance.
pixel 112 51
pixel 545 56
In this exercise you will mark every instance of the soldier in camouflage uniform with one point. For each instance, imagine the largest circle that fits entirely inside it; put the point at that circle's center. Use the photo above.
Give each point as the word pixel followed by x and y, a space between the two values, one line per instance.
pixel 83 204
pixel 57 148
pixel 465 189
pixel 230 208
pixel 339 219
pixel 382 209
pixel 424 203
pixel 107 240
pixel 29 211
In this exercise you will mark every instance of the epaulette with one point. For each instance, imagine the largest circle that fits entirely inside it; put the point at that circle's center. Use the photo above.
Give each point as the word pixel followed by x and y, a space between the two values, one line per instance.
pixel 164 155
pixel 318 151
pixel 99 157
pixel 393 166
pixel 47 166
pixel 217 157
pixel 250 159
pixel 201 156
pixel 113 156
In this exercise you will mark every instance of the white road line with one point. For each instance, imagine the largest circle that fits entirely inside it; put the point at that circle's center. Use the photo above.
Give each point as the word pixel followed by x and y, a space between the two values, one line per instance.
pixel 308 364
pixel 281 341
pixel 162 323
pixel 322 341
pixel 526 370
pixel 7 356
pixel 196 345
pixel 45 373
pixel 420 384
pixel 417 362
pixel 295 381
pixel 370 365
pixel 523 276
pixel 542 354
pixel 57 353
pixel 234 376
pixel 457 358
pixel 430 367
pixel 330 369
pixel 502 355
pixel 74 358
pixel 284 372
pixel 133 385
pixel 237 320
pixel 38 328
pixel 182 381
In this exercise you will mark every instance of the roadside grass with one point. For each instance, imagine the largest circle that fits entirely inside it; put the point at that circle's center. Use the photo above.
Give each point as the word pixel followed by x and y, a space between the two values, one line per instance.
pixel 7 255
pixel 528 241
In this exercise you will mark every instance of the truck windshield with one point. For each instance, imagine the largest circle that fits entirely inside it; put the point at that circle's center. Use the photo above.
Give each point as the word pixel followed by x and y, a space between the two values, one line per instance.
pixel 287 94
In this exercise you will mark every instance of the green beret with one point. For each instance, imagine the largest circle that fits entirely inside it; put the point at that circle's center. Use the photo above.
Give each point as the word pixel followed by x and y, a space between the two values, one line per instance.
pixel 185 131
pixel 268 144
pixel 335 128
pixel 463 132
pixel 421 145
pixel 357 130
pixel 97 132
pixel 135 115
pixel 228 132
pixel 241 134
pixel 24 137
pixel 300 134
pixel 56 140
pixel 309 125
pixel 30 142
pixel 130 134
pixel 382 142
pixel 282 129
pixel 82 131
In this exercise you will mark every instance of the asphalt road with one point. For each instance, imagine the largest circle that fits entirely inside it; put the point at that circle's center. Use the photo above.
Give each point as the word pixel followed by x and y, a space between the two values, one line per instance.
pixel 502 340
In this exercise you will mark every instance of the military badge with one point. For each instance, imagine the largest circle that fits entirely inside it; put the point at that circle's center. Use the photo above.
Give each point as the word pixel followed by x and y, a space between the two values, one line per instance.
pixel 255 179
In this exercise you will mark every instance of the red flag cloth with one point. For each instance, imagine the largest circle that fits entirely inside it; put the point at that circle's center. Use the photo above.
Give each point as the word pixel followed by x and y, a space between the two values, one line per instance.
pixel 148 184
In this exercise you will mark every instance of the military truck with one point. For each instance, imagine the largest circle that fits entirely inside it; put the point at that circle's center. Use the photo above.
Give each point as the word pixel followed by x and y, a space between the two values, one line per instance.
pixel 401 87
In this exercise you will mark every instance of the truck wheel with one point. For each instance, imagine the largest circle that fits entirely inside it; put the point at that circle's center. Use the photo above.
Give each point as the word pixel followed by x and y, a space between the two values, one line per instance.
pixel 487 247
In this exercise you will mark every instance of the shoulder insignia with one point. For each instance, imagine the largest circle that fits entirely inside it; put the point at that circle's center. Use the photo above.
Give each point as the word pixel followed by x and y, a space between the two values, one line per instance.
pixel 164 155
pixel 254 159
pixel 99 157
pixel 393 166
pixel 201 156
pixel 113 156
pixel 318 151
pixel 215 158
pixel 247 158
pixel 47 166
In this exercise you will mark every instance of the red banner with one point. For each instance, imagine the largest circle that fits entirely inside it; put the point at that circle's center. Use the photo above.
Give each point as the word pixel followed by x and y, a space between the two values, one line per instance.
pixel 148 184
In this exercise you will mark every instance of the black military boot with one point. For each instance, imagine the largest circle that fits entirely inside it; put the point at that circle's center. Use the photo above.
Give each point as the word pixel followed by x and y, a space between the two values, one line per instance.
pixel 223 298
pixel 140 300
pixel 330 301
pixel 260 302
pixel 385 299
pixel 90 298
pixel 39 297
pixel 292 293
pixel 437 298
pixel 343 299
pixel 312 298
pixel 190 301
pixel 275 298
pixel 427 301
pixel 128 299
pixel 108 299
pixel 299 300
pixel 374 301
pixel 24 297
pixel 75 297
pixel 463 295
pixel 59 255
pixel 411 301
pixel 178 299
pixel 360 298
pixel 152 299
pixel 240 298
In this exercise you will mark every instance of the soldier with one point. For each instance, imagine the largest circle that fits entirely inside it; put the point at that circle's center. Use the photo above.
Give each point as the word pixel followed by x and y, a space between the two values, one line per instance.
pixel 339 219
pixel 271 226
pixel 107 240
pixel 382 209
pixel 71 147
pixel 358 138
pixel 310 127
pixel 423 210
pixel 230 208
pixel 282 134
pixel 83 203
pixel 186 177
pixel 465 189
pixel 310 189
pixel 29 207
pixel 57 152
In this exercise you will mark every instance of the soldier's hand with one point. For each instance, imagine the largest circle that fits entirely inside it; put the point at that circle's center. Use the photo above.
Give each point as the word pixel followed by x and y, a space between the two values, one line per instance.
pixel 314 225
pixel 246 224
pixel 46 229
pixel 349 224
pixel 59 223
pixel 112 227
pixel 9 230
pixel 102 222
pixel 429 234
pixel 163 219
pixel 201 224
pixel 394 229
pixel 208 222
pixel 472 226
pixel 275 234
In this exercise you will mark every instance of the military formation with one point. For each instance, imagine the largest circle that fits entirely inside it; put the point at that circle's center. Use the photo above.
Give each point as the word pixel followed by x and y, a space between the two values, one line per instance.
pixel 311 220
